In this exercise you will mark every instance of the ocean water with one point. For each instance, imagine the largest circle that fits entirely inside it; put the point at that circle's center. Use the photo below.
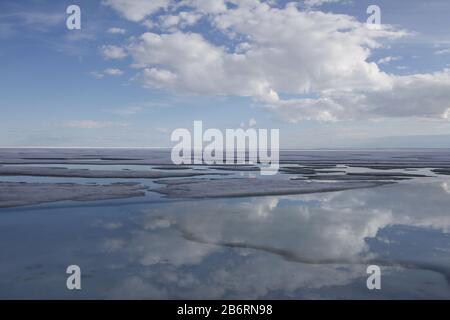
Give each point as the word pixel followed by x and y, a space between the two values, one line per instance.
pixel 311 246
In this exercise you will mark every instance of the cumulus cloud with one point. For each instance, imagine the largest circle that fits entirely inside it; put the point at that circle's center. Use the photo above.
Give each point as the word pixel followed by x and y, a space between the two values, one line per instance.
pixel 322 59
pixel 136 10
pixel 178 21
pixel 113 52
pixel 206 6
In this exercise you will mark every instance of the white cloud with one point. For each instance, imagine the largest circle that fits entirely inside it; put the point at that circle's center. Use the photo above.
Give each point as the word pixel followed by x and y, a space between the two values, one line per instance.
pixel 323 58
pixel 388 60
pixel 158 78
pixel 107 72
pixel 113 72
pixel 136 10
pixel 290 52
pixel 179 21
pixel 422 95
pixel 115 30
pixel 113 52
pixel 206 6
pixel 296 110
pixel 92 124
pixel 148 24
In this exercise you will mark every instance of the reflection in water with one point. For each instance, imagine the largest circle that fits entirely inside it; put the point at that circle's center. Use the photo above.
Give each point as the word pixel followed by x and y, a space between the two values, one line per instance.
pixel 308 246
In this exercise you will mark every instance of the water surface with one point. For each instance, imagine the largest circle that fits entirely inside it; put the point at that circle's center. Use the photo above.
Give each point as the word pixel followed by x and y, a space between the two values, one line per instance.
pixel 297 247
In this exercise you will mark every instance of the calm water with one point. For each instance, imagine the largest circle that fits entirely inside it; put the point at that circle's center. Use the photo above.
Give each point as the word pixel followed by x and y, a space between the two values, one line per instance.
pixel 304 246
pixel 308 246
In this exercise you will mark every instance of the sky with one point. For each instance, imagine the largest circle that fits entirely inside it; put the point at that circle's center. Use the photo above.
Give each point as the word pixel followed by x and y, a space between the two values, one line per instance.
pixel 139 69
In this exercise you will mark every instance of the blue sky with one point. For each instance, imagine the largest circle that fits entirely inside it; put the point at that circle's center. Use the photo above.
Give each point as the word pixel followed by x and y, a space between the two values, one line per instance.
pixel 64 88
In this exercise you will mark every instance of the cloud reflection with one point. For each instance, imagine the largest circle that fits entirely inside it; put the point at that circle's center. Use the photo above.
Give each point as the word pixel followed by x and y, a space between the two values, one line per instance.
pixel 288 246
